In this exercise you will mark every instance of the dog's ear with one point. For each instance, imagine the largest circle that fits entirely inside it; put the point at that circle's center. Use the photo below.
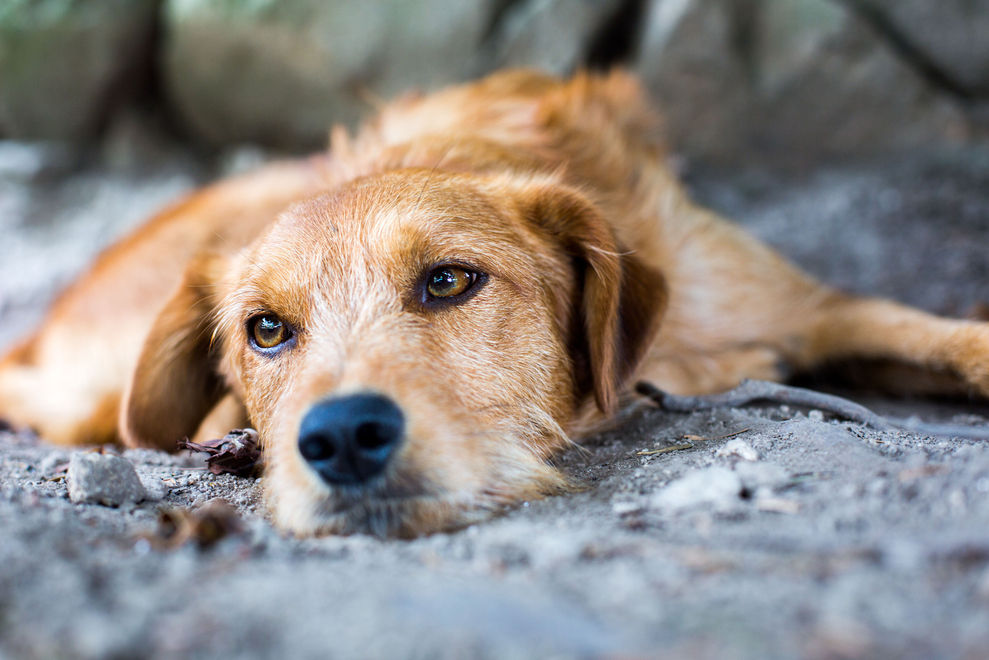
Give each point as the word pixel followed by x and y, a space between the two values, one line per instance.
pixel 176 382
pixel 619 299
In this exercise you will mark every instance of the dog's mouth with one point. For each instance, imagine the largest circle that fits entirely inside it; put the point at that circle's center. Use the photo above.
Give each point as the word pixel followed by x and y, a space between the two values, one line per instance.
pixel 398 506
pixel 405 516
pixel 397 490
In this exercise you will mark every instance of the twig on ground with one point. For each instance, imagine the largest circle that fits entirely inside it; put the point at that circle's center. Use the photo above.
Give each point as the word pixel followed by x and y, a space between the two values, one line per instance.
pixel 664 450
pixel 692 440
pixel 751 391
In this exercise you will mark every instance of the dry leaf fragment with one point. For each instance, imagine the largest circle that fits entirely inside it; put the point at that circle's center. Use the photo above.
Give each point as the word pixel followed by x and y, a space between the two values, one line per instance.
pixel 204 526
pixel 912 474
pixel 236 453
pixel 664 450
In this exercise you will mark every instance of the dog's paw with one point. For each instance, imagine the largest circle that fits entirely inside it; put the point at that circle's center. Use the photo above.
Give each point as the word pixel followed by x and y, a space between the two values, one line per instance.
pixel 969 355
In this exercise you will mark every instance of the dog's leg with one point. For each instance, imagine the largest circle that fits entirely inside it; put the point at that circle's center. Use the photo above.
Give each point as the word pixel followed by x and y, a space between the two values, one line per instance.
pixel 65 405
pixel 738 310
pixel 949 355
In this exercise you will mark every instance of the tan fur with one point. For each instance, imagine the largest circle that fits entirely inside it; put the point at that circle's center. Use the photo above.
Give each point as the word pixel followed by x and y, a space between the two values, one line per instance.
pixel 599 269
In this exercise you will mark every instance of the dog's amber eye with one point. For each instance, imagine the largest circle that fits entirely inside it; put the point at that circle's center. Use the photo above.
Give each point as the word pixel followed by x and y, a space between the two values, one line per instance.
pixel 268 331
pixel 449 281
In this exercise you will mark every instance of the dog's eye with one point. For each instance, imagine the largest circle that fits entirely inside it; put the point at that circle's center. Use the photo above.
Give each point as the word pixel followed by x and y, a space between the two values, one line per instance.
pixel 268 331
pixel 449 281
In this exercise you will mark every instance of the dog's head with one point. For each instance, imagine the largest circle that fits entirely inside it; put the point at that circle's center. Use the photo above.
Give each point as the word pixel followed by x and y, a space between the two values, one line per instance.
pixel 413 348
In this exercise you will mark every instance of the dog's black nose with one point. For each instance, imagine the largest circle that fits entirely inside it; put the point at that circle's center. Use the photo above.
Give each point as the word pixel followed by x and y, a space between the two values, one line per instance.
pixel 348 440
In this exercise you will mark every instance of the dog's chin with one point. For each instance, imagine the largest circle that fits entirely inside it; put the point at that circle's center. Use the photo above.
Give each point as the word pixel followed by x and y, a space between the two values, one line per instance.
pixel 403 508
pixel 386 516
pixel 404 517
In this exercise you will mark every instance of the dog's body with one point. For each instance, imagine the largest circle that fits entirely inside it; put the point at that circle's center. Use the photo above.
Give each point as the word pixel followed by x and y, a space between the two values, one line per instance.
pixel 476 276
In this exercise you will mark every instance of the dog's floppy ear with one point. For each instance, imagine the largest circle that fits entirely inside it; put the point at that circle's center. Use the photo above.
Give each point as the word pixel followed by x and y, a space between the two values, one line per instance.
pixel 619 299
pixel 176 383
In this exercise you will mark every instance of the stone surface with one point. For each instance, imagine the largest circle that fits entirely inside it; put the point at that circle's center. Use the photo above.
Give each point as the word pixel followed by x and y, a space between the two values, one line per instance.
pixel 282 73
pixel 761 476
pixel 65 65
pixel 788 81
pixel 103 479
pixel 553 35
pixel 688 59
pixel 793 81
pixel 738 448
pixel 154 488
pixel 829 86
pixel 715 486
pixel 948 35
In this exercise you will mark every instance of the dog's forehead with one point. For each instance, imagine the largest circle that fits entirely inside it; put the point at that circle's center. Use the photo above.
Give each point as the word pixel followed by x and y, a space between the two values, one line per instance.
pixel 375 239
pixel 421 215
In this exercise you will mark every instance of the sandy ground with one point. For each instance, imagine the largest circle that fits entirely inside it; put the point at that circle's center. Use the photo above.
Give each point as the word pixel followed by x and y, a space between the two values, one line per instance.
pixel 836 541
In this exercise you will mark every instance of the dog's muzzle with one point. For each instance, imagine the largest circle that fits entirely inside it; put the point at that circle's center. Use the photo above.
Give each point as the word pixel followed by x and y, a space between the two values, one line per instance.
pixel 349 440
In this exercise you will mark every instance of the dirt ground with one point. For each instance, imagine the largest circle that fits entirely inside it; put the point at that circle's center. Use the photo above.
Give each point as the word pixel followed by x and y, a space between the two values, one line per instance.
pixel 798 535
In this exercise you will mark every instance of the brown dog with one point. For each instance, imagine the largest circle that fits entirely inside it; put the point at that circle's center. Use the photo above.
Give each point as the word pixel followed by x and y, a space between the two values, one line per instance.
pixel 418 320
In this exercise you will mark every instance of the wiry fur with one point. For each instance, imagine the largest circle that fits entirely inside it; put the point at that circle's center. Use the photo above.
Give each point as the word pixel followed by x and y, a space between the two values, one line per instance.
pixel 599 270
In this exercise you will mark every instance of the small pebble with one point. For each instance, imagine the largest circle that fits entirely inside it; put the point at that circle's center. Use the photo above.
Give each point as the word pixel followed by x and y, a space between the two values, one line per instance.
pixel 739 448
pixel 103 479
pixel 155 489
pixel 621 508
pixel 713 485
pixel 52 462
pixel 982 585
pixel 815 416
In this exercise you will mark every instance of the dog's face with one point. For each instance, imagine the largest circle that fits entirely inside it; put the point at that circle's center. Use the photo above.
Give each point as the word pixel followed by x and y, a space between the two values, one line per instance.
pixel 413 347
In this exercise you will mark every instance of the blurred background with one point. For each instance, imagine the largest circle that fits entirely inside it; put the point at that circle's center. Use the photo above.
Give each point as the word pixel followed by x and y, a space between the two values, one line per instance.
pixel 806 119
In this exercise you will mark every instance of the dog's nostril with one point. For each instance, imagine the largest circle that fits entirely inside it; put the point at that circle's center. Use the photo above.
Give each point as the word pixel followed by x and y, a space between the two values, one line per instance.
pixel 370 436
pixel 350 439
pixel 316 447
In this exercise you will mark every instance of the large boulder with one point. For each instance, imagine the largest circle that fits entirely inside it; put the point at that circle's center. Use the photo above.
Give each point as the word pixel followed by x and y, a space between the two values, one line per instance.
pixel 552 35
pixel 66 64
pixel 281 73
pixel 950 37
pixel 785 79
pixel 689 59
pixel 830 85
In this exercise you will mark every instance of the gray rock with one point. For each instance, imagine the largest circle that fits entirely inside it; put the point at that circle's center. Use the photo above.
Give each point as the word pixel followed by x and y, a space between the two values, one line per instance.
pixel 64 63
pixel 282 73
pixel 103 479
pixel 52 462
pixel 688 61
pixel 761 477
pixel 827 84
pixel 738 448
pixel 553 35
pixel 154 488
pixel 787 79
pixel 950 35
pixel 709 486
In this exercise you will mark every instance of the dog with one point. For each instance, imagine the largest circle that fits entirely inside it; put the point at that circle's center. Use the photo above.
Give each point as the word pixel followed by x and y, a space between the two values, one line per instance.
pixel 418 320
